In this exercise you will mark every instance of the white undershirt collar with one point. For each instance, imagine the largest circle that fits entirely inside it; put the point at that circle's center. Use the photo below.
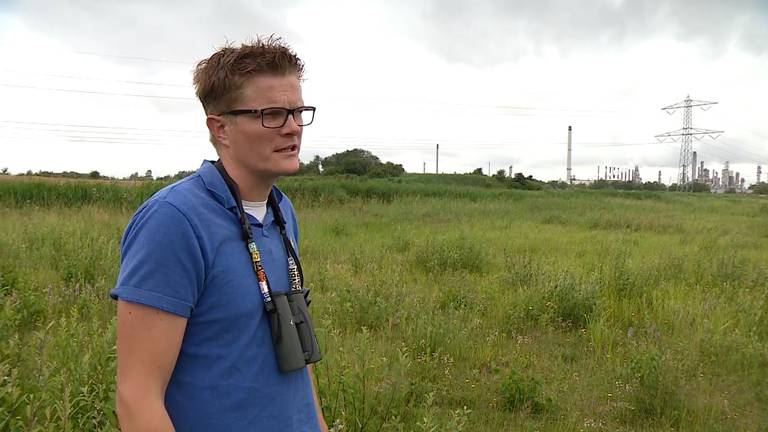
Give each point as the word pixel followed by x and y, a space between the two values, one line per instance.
pixel 257 209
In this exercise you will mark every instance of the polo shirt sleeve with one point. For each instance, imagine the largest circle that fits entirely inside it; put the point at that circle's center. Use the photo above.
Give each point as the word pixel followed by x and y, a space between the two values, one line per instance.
pixel 161 264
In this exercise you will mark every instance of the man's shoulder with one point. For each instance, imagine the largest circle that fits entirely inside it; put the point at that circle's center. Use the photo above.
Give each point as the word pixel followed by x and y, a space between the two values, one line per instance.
pixel 186 195
pixel 183 193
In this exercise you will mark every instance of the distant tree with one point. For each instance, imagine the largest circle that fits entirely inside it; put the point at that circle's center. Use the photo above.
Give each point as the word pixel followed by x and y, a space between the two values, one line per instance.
pixel 4 171
pixel 94 174
pixel 477 171
pixel 355 161
pixel 181 174
pixel 557 184
pixel 29 173
pixel 654 186
pixel 148 175
pixel 310 168
pixel 700 187
pixel 134 176
pixel 387 169
pixel 760 188
pixel 500 175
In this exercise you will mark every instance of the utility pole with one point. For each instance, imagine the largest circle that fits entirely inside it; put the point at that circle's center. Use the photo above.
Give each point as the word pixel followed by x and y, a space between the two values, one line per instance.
pixel 759 172
pixel 424 168
pixel 437 158
pixel 489 169
pixel 685 135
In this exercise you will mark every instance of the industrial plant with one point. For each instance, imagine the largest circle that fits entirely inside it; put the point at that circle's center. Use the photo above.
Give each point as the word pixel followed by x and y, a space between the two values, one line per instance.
pixel 690 171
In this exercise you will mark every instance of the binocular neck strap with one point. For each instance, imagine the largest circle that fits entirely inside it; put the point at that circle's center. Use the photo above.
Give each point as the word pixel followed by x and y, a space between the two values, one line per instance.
pixel 272 202
pixel 248 234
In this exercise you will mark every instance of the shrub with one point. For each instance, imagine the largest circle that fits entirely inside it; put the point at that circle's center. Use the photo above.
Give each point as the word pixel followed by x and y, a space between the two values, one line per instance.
pixel 524 393
pixel 572 302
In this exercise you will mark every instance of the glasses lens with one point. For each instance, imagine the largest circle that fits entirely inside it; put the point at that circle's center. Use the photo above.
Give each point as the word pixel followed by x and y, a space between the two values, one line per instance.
pixel 274 117
pixel 305 116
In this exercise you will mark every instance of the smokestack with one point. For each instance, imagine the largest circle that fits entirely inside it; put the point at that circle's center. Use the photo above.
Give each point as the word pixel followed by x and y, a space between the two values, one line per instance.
pixel 693 167
pixel 570 178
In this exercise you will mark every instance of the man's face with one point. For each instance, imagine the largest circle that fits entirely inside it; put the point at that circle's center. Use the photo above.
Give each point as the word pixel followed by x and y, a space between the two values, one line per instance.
pixel 261 152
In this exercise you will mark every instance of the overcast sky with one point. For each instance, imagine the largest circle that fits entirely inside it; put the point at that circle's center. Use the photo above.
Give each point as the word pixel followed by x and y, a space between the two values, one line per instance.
pixel 106 85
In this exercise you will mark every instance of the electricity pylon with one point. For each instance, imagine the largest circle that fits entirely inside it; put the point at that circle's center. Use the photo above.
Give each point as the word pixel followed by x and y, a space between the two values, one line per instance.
pixel 685 136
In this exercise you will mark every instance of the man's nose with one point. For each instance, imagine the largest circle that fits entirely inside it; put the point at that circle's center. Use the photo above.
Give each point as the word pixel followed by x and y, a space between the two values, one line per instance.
pixel 291 126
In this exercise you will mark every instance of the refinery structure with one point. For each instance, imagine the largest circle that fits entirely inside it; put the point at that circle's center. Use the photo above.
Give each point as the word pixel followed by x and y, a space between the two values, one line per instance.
pixel 726 180
pixel 690 171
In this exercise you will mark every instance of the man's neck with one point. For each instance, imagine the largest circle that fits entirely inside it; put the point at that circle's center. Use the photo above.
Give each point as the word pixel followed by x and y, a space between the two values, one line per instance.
pixel 251 188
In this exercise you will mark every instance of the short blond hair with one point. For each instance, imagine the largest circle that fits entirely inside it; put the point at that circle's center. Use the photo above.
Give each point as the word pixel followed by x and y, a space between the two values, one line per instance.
pixel 220 78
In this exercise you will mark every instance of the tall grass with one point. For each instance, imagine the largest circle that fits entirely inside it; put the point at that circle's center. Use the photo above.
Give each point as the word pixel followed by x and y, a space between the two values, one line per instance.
pixel 438 307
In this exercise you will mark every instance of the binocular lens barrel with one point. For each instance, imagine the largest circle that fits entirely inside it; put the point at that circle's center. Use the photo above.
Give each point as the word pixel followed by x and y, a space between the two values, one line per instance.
pixel 292 332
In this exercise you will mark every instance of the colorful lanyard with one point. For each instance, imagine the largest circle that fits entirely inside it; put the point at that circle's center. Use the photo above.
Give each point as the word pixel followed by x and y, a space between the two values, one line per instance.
pixel 295 274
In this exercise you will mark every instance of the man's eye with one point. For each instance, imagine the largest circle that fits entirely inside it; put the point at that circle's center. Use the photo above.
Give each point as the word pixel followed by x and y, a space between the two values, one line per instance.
pixel 273 114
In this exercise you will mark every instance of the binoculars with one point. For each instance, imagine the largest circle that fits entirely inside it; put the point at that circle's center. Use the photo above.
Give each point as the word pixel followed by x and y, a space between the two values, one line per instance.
pixel 293 335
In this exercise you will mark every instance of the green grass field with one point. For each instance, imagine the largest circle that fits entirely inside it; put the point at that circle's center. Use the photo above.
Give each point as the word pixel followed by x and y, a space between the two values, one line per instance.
pixel 439 305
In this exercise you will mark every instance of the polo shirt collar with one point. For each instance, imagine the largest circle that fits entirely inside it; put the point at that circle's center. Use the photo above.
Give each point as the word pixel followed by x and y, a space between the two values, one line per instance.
pixel 218 188
pixel 216 185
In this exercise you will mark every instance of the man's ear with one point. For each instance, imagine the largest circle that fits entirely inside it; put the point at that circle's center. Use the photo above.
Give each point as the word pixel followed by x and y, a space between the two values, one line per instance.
pixel 218 128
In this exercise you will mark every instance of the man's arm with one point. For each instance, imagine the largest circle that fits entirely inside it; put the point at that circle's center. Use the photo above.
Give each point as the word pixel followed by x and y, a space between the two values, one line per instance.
pixel 148 343
pixel 320 417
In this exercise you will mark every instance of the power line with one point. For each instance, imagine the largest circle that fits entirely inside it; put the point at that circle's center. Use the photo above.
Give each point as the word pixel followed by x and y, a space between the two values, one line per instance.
pixel 331 142
pixel 97 126
pixel 730 155
pixel 102 131
pixel 96 92
pixel 87 78
pixel 123 57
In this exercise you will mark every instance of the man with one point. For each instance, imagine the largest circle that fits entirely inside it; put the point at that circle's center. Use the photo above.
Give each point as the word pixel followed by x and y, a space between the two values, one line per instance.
pixel 194 348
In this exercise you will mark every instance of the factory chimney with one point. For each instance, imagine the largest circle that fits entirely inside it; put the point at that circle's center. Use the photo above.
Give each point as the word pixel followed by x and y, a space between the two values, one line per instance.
pixel 570 178
pixel 693 168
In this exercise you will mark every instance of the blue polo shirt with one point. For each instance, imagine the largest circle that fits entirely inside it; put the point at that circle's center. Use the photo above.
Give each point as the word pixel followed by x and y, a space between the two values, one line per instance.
pixel 183 252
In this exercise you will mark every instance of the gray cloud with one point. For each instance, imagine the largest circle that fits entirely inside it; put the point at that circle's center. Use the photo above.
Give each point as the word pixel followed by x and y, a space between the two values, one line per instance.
pixel 495 31
pixel 178 31
pixel 479 32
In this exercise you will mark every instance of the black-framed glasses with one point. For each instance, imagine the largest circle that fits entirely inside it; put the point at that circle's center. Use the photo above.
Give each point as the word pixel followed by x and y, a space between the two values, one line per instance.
pixel 275 117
